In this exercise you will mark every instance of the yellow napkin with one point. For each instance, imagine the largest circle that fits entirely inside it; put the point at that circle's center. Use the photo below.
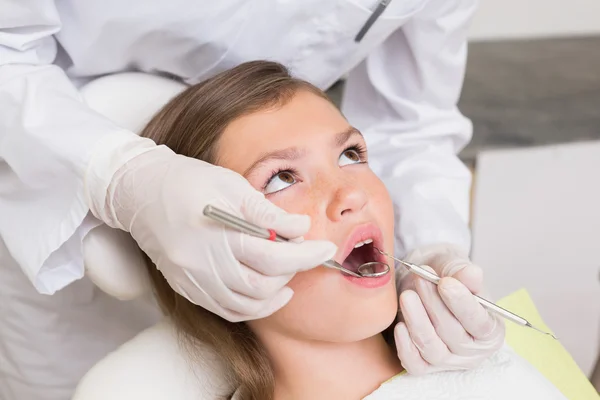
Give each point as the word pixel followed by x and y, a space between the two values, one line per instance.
pixel 545 353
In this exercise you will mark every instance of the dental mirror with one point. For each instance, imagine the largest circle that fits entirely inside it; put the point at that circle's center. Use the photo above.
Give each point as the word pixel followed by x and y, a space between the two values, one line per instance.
pixel 373 269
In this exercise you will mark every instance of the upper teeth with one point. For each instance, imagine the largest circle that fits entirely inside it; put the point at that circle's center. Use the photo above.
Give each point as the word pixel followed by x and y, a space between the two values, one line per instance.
pixel 363 243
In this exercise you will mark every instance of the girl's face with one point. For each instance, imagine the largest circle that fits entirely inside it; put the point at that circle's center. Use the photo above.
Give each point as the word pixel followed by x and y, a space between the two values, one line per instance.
pixel 307 159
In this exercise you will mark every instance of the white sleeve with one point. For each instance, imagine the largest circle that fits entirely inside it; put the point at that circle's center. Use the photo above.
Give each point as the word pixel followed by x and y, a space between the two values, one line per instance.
pixel 404 98
pixel 47 139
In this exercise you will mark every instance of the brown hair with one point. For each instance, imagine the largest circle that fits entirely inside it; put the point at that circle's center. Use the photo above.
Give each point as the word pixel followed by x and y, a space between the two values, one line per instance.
pixel 191 124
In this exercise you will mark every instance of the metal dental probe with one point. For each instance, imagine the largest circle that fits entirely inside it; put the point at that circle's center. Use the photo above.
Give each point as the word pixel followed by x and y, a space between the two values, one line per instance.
pixel 433 278
pixel 242 225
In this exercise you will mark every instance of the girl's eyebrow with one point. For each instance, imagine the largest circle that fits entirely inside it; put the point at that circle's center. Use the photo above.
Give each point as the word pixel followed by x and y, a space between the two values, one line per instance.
pixel 288 154
pixel 294 153
pixel 342 137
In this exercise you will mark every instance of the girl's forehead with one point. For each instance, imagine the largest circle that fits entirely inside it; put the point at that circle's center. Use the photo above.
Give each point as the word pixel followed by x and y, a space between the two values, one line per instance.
pixel 305 121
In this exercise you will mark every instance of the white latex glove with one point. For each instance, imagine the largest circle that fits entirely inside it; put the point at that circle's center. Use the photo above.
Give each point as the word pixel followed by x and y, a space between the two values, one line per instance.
pixel 444 327
pixel 159 197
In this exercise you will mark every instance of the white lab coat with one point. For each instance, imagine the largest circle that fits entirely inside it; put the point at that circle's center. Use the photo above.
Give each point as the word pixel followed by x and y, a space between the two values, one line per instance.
pixel 404 80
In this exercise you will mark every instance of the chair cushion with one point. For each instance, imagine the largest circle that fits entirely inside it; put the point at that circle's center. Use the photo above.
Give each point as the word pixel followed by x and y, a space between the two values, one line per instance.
pixel 155 366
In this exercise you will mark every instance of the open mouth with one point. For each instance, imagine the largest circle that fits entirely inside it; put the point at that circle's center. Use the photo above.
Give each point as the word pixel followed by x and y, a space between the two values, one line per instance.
pixel 362 253
pixel 361 247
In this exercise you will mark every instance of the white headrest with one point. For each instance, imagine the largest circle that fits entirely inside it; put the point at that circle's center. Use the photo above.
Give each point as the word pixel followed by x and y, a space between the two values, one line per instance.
pixel 154 366
pixel 111 257
pixel 114 263
pixel 130 99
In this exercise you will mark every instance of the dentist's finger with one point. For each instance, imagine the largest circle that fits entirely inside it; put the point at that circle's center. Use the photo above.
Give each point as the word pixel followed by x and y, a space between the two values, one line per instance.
pixel 255 284
pixel 446 325
pixel 476 320
pixel 409 355
pixel 280 258
pixel 421 330
pixel 471 276
pixel 264 309
pixel 260 211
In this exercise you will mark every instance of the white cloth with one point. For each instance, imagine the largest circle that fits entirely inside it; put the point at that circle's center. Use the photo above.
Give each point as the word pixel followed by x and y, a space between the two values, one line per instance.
pixel 155 366
pixel 504 376
pixel 403 96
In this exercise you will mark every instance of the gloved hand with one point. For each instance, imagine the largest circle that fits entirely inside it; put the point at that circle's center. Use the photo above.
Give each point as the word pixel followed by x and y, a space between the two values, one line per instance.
pixel 159 197
pixel 444 327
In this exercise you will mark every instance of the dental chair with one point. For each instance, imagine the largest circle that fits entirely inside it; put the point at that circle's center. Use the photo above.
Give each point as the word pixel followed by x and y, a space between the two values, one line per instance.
pixel 153 365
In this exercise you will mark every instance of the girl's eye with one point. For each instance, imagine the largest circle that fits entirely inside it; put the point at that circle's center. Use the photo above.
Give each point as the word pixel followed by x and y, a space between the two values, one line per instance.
pixel 279 181
pixel 350 156
pixel 285 177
